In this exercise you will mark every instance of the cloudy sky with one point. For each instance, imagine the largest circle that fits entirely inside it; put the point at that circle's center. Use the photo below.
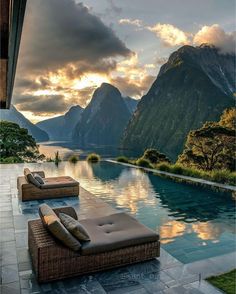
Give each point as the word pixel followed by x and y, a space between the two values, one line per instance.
pixel 70 47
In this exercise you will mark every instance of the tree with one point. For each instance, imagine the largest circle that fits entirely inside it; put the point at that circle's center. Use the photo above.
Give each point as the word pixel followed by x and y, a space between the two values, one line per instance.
pixel 210 147
pixel 228 118
pixel 17 144
pixel 154 156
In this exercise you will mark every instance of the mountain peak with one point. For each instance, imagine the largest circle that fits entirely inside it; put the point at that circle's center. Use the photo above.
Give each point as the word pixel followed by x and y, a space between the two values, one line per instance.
pixel 106 88
pixel 218 67
pixel 105 92
pixel 60 127
pixel 104 119
pixel 106 85
pixel 194 86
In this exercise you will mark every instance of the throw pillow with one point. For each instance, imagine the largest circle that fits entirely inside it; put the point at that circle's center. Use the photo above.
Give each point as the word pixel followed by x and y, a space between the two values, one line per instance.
pixel 74 227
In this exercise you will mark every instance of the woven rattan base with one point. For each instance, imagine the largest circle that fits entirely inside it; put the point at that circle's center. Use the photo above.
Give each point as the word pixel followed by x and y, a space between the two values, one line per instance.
pixel 53 261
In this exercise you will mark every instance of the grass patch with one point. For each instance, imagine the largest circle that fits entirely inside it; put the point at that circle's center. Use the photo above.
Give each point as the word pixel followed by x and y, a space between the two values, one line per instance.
pixel 225 282
pixel 219 176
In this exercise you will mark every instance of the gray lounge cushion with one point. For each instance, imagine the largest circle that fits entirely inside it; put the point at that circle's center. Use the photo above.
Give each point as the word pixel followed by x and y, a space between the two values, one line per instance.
pixel 38 178
pixel 46 213
pixel 74 227
pixel 69 210
pixel 62 234
pixel 59 182
pixel 30 178
pixel 114 232
pixel 53 224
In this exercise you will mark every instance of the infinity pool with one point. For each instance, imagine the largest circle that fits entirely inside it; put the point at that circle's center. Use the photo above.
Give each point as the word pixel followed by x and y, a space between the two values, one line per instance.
pixel 194 223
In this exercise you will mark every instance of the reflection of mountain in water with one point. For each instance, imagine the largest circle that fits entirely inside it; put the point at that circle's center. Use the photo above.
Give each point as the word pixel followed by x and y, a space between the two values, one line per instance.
pixel 67 148
pixel 104 172
pixel 189 204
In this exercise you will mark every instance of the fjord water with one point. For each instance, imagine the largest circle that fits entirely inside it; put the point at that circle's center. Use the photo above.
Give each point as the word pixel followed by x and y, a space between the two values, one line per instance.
pixel 68 148
pixel 194 223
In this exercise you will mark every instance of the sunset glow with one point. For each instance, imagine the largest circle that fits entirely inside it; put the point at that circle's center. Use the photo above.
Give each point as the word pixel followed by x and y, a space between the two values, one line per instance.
pixel 68 49
pixel 90 80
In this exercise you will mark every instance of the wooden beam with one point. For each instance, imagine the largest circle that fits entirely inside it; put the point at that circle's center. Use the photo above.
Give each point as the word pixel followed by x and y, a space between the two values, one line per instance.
pixel 11 22
pixel 16 25
pixel 4 44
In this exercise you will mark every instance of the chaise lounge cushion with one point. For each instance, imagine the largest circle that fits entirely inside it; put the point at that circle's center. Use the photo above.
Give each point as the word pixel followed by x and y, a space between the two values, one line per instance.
pixel 54 225
pixel 59 182
pixel 114 232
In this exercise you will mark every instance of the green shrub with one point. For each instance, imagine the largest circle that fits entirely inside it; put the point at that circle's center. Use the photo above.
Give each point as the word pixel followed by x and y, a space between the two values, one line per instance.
pixel 93 157
pixel 189 172
pixel 73 159
pixel 122 159
pixel 177 169
pixel 163 167
pixel 11 159
pixel 154 156
pixel 221 176
pixel 143 162
pixel 232 179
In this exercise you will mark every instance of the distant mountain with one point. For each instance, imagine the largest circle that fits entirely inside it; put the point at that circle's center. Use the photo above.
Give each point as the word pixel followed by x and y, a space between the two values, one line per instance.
pixel 194 86
pixel 131 103
pixel 104 119
pixel 15 116
pixel 61 127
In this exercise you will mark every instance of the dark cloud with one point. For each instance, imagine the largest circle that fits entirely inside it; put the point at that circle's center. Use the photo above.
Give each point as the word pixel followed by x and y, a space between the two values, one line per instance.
pixel 75 71
pixel 58 32
pixel 24 83
pixel 42 105
pixel 61 37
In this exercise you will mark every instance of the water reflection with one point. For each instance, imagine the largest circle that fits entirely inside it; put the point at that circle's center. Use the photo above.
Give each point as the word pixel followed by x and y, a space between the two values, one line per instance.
pixel 190 204
pixel 170 230
pixel 177 211
pixel 212 230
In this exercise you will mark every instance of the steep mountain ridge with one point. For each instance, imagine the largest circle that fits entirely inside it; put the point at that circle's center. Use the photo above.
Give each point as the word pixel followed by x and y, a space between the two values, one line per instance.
pixel 131 103
pixel 194 86
pixel 61 127
pixel 221 71
pixel 15 116
pixel 104 119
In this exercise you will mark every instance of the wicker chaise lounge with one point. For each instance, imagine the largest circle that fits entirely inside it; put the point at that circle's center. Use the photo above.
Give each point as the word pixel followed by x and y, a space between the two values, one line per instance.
pixel 116 240
pixel 54 187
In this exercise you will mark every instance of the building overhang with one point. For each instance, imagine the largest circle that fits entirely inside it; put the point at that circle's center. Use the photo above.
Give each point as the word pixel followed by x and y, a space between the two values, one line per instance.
pixel 11 22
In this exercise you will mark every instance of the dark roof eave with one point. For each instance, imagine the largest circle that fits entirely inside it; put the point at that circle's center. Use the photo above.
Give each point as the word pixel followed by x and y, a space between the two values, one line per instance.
pixel 12 18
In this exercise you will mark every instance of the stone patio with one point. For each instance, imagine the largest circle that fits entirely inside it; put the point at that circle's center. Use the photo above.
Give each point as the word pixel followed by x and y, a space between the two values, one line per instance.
pixel 162 275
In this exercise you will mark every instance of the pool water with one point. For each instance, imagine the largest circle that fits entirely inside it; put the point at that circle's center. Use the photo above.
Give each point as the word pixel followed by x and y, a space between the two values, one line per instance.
pixel 194 223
